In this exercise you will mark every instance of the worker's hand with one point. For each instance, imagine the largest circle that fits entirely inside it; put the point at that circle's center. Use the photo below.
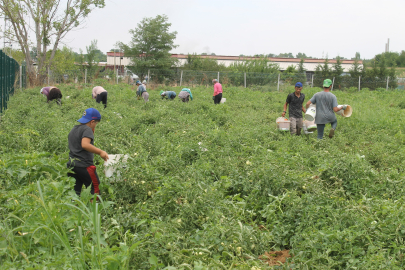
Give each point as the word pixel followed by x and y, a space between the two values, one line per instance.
pixel 283 114
pixel 344 107
pixel 104 155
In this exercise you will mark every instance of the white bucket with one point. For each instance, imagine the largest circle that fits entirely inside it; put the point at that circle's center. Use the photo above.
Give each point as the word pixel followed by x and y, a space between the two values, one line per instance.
pixel 345 113
pixel 113 163
pixel 283 124
pixel 223 100
pixel 310 125
pixel 311 113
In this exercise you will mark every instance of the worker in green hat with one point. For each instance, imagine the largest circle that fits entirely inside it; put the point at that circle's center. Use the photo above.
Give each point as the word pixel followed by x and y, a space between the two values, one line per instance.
pixel 326 106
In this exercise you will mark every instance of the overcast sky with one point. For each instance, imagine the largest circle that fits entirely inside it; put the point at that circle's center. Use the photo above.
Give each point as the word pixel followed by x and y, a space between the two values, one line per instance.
pixel 229 27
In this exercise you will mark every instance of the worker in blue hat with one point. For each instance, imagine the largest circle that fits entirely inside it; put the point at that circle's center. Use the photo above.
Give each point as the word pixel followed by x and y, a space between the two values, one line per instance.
pixel 82 150
pixel 295 100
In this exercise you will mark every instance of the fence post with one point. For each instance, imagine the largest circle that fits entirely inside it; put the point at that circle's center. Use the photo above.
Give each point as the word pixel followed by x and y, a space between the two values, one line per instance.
pixel 85 76
pixel 278 82
pixel 388 79
pixel 312 81
pixel 245 79
pixel 359 83
pixel 117 76
pixel 181 77
pixel 49 74
pixel 218 76
pixel 333 82
pixel 148 80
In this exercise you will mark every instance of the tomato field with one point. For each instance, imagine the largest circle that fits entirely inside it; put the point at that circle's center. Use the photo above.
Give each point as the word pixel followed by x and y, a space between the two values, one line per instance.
pixel 205 186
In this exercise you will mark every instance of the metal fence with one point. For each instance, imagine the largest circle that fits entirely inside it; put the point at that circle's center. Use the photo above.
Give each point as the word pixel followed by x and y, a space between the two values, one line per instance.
pixel 273 81
pixel 9 69
pixel 190 78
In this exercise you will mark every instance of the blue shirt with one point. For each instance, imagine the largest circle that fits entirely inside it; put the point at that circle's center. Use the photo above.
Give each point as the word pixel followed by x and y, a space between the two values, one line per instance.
pixel 140 90
pixel 170 94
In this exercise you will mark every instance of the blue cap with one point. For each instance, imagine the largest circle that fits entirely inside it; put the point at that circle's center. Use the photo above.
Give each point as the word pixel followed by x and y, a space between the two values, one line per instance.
pixel 88 115
pixel 298 84
pixel 138 82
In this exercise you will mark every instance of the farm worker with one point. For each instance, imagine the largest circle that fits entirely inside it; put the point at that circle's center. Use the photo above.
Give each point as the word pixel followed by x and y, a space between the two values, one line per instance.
pixel 326 105
pixel 144 83
pixel 141 92
pixel 82 150
pixel 185 95
pixel 100 94
pixel 52 93
pixel 168 94
pixel 217 96
pixel 295 110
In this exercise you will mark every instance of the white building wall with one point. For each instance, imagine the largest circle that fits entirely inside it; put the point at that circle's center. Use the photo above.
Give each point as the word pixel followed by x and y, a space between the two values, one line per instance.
pixel 282 65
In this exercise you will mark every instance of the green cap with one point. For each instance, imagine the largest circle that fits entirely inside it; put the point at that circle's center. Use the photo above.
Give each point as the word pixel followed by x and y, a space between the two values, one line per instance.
pixel 327 83
pixel 161 92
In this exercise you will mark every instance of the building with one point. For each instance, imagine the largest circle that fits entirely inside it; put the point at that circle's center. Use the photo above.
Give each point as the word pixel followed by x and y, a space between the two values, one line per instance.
pixel 119 60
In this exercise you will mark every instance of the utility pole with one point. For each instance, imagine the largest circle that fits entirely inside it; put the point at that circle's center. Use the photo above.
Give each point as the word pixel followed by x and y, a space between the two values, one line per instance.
pixel 114 60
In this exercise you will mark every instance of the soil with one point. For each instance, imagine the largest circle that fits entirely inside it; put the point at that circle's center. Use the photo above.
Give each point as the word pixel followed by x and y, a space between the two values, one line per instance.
pixel 275 257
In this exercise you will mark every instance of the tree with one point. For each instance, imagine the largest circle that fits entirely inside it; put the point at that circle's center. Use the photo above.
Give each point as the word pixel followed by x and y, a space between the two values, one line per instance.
pixel 301 55
pixel 322 72
pixel 63 62
pixel 17 55
pixel 48 22
pixel 301 68
pixel 286 55
pixel 92 63
pixel 337 72
pixel 195 62
pixel 356 69
pixel 151 45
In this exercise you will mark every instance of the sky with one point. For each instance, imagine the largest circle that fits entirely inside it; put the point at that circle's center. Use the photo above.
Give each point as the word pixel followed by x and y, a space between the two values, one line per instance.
pixel 314 27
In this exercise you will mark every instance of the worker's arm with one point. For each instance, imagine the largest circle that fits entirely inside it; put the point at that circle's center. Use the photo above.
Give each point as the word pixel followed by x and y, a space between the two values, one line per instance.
pixel 336 109
pixel 285 109
pixel 92 149
pixel 304 110
pixel 308 104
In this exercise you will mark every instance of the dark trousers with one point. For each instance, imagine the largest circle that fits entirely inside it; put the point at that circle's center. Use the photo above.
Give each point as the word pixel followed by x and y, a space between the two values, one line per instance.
pixel 217 98
pixel 103 98
pixel 85 176
pixel 55 94
pixel 321 127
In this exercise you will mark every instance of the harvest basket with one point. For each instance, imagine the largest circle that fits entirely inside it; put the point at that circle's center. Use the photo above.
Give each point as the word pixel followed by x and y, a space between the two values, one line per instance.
pixel 283 124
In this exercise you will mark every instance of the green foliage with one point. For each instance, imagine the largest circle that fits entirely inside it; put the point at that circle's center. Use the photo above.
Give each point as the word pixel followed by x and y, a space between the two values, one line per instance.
pixel 356 69
pixel 301 68
pixel 151 45
pixel 195 62
pixel 261 65
pixel 17 55
pixel 205 187
pixel 51 23
pixel 337 73
pixel 64 62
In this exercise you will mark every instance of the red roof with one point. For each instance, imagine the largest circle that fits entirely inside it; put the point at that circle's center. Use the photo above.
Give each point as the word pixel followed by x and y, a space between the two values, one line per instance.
pixel 236 58
pixel 116 54
pixel 273 59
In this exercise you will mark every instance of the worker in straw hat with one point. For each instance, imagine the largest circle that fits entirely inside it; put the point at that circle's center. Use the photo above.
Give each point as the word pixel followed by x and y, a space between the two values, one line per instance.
pixel 326 106
pixel 295 100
